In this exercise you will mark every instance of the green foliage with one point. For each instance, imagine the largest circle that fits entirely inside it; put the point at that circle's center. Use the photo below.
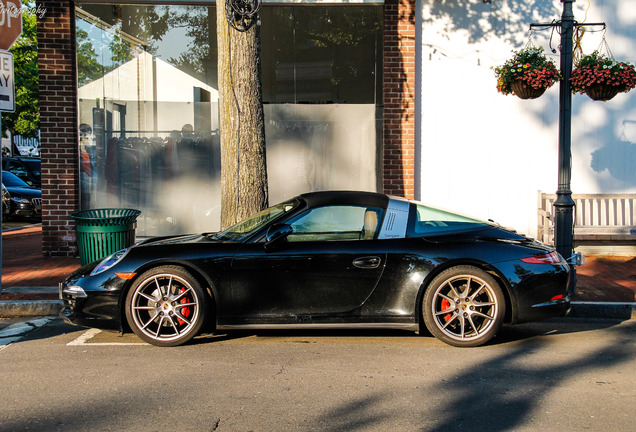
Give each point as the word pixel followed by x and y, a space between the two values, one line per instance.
pixel 26 118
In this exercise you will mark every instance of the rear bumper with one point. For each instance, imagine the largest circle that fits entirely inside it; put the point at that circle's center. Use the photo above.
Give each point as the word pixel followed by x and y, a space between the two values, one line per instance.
pixel 553 308
pixel 539 291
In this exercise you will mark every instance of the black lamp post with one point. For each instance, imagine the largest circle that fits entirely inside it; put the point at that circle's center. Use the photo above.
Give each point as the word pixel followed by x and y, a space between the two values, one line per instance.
pixel 564 205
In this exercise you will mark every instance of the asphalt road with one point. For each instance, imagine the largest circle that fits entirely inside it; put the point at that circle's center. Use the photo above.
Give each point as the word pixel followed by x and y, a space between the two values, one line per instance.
pixel 564 374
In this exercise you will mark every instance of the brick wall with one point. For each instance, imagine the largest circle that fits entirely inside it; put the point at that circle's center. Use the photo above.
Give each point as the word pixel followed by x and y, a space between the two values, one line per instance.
pixel 58 124
pixel 398 169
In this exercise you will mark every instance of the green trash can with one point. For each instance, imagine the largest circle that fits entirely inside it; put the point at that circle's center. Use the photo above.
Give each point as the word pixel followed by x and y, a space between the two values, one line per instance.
pixel 101 232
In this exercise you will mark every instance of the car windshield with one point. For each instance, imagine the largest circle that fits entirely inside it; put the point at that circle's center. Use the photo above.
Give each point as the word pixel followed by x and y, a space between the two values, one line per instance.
pixel 12 180
pixel 34 166
pixel 425 221
pixel 242 230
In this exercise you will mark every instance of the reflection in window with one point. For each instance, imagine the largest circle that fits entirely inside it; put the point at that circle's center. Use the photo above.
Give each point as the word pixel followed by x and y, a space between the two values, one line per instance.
pixel 148 106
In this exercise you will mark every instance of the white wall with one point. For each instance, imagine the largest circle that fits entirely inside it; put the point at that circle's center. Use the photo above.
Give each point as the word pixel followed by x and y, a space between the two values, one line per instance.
pixel 487 154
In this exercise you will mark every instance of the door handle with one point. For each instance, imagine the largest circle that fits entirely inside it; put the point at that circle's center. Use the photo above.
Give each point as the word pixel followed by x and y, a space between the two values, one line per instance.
pixel 369 262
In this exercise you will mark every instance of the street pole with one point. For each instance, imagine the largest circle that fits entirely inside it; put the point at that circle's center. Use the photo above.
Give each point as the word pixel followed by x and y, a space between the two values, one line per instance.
pixel 564 205
pixel 1 165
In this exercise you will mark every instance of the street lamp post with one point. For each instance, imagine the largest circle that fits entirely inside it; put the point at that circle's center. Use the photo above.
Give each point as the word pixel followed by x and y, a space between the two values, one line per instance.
pixel 564 205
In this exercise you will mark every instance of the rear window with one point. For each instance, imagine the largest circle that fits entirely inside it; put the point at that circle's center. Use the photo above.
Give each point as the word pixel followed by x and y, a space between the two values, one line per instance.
pixel 430 221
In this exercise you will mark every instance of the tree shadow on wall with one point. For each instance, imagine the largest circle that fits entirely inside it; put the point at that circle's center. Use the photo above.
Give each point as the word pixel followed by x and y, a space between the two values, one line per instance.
pixel 618 157
pixel 504 20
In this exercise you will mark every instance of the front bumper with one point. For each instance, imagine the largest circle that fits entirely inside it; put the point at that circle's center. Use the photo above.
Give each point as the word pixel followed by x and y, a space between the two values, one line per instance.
pixel 25 210
pixel 92 301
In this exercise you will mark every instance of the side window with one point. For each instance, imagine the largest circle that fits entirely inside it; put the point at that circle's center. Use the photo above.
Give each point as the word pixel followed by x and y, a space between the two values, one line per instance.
pixel 425 221
pixel 336 223
pixel 18 170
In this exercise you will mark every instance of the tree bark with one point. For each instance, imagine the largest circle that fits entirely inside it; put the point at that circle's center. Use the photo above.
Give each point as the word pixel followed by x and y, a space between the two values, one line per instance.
pixel 244 188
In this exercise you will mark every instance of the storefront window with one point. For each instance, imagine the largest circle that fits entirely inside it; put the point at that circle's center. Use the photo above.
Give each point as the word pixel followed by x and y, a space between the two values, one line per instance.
pixel 148 106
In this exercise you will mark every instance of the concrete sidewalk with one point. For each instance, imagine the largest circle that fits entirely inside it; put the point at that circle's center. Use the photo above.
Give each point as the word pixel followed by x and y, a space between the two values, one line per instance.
pixel 606 285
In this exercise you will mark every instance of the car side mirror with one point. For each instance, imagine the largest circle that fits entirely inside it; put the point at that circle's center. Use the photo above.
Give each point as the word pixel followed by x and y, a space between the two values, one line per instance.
pixel 277 234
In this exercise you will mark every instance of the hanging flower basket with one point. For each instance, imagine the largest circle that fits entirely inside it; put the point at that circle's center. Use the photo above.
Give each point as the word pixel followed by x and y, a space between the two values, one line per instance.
pixel 527 74
pixel 524 91
pixel 601 92
pixel 602 77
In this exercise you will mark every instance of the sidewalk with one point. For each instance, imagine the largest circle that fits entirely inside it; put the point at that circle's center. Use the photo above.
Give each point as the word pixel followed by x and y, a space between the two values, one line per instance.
pixel 606 285
pixel 29 280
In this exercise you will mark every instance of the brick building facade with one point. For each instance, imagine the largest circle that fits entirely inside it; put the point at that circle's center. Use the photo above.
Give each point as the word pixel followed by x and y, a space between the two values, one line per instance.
pixel 59 115
pixel 58 125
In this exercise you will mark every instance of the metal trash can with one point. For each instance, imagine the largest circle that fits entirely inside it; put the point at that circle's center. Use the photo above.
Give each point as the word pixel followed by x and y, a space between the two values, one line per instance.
pixel 101 232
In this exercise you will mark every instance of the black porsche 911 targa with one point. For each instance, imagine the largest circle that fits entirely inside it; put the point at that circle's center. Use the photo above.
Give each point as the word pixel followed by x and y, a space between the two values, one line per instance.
pixel 326 260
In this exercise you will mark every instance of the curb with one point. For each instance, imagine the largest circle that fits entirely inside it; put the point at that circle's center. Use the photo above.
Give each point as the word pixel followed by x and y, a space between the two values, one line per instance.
pixel 30 308
pixel 625 311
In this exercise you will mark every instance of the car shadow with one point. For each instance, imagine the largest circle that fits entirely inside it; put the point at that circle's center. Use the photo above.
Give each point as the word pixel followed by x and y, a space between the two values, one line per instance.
pixel 507 334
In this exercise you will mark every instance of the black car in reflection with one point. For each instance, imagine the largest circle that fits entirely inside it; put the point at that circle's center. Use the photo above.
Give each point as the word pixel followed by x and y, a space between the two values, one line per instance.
pixel 23 201
pixel 25 167
pixel 326 260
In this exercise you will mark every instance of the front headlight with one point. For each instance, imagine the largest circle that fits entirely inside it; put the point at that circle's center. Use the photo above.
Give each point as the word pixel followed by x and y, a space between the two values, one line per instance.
pixel 110 261
pixel 20 200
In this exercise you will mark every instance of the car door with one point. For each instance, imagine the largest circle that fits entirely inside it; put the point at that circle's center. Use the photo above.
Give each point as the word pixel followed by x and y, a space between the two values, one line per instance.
pixel 330 264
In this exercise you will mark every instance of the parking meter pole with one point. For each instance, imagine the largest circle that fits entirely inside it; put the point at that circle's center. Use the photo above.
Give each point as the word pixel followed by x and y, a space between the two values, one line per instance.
pixel 2 211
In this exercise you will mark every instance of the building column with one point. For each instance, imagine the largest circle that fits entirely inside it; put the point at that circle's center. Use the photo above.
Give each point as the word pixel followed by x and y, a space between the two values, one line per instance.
pixel 398 165
pixel 58 126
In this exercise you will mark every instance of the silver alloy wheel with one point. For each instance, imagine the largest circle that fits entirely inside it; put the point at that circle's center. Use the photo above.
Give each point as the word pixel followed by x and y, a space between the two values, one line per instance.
pixel 165 307
pixel 464 306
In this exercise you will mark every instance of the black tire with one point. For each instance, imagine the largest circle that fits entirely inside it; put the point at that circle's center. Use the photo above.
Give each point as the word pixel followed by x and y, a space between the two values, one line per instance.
pixel 463 307
pixel 166 306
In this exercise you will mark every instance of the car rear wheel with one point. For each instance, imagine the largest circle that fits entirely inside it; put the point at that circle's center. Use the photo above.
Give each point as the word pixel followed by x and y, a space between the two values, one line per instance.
pixel 463 306
pixel 166 306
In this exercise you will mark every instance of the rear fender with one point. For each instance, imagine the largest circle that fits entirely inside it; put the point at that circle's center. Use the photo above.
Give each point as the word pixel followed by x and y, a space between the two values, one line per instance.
pixel 503 283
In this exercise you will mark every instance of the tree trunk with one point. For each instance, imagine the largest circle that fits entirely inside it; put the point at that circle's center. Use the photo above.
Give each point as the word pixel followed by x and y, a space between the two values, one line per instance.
pixel 243 165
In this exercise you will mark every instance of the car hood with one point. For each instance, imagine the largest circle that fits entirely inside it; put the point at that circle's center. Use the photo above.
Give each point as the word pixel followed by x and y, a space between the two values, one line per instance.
pixel 24 192
pixel 178 239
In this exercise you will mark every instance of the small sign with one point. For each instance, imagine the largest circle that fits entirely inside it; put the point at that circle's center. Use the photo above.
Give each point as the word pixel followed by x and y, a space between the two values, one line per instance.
pixel 7 82
pixel 10 22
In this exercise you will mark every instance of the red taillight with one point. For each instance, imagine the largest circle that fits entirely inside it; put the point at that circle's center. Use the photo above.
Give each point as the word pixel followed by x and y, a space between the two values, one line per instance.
pixel 557 297
pixel 546 258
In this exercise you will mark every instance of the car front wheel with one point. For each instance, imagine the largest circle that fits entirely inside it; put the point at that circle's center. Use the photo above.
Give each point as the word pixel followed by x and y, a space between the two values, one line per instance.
pixel 166 306
pixel 463 306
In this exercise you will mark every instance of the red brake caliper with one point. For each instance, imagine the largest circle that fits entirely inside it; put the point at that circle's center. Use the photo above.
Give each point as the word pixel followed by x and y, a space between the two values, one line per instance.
pixel 184 311
pixel 446 305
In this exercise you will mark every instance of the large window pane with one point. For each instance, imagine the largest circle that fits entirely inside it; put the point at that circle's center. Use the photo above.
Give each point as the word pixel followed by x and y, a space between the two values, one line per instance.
pixel 148 106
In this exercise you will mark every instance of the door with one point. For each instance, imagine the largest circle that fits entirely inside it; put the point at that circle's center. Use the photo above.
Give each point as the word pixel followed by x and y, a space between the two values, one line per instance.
pixel 330 264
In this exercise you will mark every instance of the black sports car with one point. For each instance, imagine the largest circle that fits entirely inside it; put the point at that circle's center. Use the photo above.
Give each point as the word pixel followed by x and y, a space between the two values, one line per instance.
pixel 322 260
